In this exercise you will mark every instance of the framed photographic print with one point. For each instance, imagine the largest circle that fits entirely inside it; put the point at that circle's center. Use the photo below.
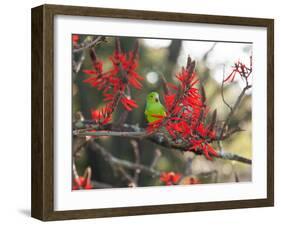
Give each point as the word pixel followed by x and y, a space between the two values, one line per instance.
pixel 140 112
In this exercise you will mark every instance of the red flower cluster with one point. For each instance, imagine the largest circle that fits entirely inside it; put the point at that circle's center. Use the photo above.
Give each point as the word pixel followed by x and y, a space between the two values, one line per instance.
pixel 102 116
pixel 75 39
pixel 186 114
pixel 82 182
pixel 170 178
pixel 115 82
pixel 126 64
pixel 241 69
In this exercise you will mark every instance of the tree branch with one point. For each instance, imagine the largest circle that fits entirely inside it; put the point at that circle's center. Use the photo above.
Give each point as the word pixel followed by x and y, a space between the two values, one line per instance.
pixel 158 138
pixel 234 157
pixel 112 133
pixel 120 162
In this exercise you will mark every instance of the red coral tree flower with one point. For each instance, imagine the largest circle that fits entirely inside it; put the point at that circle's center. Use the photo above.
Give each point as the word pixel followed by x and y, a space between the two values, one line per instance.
pixel 170 178
pixel 115 82
pixel 102 116
pixel 128 103
pixel 75 39
pixel 186 114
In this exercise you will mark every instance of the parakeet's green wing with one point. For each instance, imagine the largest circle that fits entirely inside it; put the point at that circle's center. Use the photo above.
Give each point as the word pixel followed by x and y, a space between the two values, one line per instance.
pixel 154 109
pixel 164 110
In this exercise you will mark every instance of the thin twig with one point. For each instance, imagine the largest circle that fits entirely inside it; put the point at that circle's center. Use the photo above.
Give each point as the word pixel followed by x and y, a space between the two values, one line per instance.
pixel 78 144
pixel 157 155
pixel 164 84
pixel 77 65
pixel 87 173
pixel 236 177
pixel 233 157
pixel 222 90
pixel 75 175
pixel 206 55
pixel 87 45
pixel 127 176
pixel 136 151
pixel 238 101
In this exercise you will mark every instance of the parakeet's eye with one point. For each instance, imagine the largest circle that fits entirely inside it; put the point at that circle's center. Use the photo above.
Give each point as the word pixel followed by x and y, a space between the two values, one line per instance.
pixel 156 99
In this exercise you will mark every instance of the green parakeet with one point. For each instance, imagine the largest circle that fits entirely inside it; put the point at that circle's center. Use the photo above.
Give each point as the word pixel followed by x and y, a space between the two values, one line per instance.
pixel 154 107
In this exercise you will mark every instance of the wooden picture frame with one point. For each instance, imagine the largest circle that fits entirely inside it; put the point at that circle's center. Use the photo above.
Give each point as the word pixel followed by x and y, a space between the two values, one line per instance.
pixel 43 111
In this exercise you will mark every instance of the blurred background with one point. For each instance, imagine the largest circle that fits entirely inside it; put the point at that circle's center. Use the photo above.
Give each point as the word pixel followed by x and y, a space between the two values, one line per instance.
pixel 214 61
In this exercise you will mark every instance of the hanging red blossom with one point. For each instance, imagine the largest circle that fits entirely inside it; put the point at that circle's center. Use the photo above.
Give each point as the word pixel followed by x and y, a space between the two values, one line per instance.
pixel 170 178
pixel 241 69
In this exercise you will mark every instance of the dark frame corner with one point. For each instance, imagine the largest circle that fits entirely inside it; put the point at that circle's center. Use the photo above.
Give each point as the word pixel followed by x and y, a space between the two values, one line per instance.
pixel 42 203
